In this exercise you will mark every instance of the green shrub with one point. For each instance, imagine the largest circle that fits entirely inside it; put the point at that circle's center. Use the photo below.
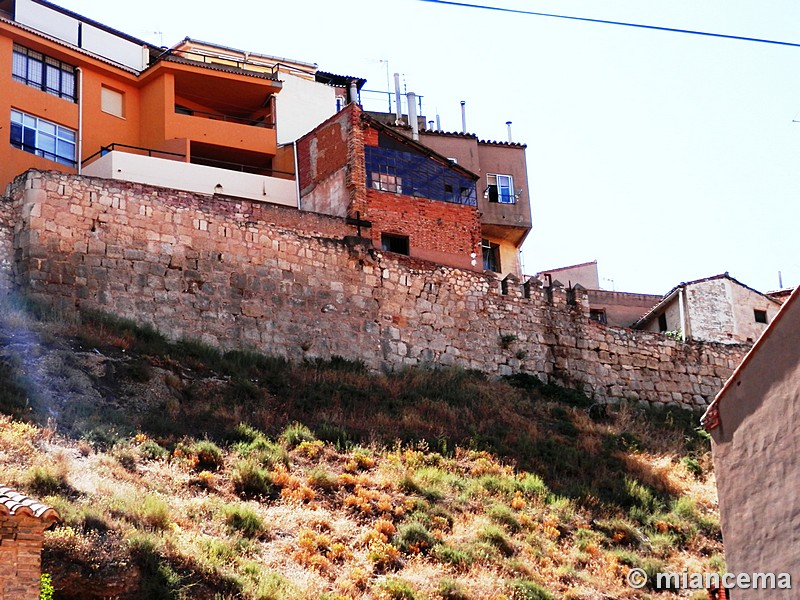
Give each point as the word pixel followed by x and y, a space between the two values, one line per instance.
pixel 250 480
pixel 525 589
pixel 491 534
pixel 321 478
pixel 397 589
pixel 414 537
pixel 459 558
pixel 296 433
pixel 209 456
pixel 46 590
pixel 153 513
pixel 450 589
pixel 244 520
pixel 533 486
pixel 152 450
pixel 46 480
pixel 504 515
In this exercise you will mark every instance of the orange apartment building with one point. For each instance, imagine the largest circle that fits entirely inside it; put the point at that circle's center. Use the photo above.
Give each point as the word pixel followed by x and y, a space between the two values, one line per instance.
pixel 84 98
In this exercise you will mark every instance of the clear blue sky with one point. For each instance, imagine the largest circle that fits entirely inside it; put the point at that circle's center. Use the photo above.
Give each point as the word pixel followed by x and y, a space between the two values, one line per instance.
pixel 667 157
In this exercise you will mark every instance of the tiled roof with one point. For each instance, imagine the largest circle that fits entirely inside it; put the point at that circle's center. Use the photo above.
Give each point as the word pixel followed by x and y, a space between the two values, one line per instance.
pixel 472 136
pixel 168 57
pixel 16 504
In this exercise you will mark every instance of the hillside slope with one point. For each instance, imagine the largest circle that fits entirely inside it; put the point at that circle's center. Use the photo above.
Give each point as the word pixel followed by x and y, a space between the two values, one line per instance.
pixel 184 472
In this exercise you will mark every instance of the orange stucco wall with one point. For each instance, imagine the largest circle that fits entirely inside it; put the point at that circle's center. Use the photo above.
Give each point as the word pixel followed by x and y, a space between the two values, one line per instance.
pixel 149 119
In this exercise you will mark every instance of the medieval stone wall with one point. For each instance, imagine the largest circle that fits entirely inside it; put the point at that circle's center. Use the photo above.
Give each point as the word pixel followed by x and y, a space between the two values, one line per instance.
pixel 6 244
pixel 241 273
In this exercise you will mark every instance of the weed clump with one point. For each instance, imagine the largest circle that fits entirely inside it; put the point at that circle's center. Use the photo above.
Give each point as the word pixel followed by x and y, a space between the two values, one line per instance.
pixel 244 520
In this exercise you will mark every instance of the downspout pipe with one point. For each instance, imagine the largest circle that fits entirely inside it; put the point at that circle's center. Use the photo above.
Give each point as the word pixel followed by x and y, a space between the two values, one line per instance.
pixel 80 120
pixel 682 311
pixel 296 175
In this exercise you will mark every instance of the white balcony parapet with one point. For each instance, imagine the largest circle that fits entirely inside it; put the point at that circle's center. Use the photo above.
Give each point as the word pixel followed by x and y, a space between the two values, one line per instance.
pixel 192 178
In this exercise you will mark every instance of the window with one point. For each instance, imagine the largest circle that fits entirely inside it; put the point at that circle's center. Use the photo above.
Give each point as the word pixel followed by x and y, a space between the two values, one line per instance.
pixel 598 314
pixel 42 138
pixel 491 256
pixel 387 182
pixel 394 243
pixel 112 101
pixel 45 73
pixel 662 322
pixel 500 189
pixel 760 315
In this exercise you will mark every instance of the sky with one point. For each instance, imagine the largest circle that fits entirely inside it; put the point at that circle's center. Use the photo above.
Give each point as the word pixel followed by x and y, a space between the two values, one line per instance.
pixel 666 157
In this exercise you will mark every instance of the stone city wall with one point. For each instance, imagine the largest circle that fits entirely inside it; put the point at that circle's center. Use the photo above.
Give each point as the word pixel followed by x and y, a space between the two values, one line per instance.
pixel 238 273
pixel 6 245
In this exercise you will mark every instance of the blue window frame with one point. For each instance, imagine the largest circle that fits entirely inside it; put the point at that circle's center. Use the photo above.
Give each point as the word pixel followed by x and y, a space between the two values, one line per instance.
pixel 43 138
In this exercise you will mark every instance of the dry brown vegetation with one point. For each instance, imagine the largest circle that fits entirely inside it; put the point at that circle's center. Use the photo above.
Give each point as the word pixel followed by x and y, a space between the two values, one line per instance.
pixel 182 472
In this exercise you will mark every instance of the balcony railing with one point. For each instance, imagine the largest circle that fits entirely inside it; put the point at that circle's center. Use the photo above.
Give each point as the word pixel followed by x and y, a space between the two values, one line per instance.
pixel 132 150
pixel 221 62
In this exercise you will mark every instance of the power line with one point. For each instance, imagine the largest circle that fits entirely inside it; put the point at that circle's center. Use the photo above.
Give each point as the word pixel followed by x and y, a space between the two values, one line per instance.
pixel 620 23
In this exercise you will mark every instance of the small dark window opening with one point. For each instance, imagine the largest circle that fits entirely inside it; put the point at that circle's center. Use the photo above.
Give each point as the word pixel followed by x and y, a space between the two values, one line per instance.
pixel 493 195
pixel 491 256
pixel 394 243
pixel 598 314
pixel 662 322
pixel 760 315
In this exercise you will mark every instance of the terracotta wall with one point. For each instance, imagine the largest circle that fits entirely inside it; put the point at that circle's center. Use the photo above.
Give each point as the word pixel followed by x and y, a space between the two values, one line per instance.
pixel 286 282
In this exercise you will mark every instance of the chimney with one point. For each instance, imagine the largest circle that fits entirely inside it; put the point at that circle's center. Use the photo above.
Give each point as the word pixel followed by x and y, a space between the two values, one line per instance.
pixel 398 108
pixel 463 117
pixel 354 91
pixel 430 125
pixel 412 115
pixel 508 124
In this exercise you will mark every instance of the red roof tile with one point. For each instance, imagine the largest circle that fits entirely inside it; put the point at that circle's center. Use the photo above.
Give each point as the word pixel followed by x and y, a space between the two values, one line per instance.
pixel 16 504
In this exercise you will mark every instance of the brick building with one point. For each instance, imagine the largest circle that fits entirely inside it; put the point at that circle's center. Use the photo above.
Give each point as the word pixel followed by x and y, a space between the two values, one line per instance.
pixel 23 522
pixel 408 198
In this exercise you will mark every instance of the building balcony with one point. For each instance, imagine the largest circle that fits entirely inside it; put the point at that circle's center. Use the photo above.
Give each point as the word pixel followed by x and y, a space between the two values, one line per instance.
pixel 169 170
pixel 223 130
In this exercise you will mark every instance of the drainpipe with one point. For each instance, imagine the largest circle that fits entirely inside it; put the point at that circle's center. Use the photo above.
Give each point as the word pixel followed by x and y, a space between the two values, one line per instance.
pixel 412 115
pixel 296 175
pixel 682 314
pixel 398 110
pixel 80 119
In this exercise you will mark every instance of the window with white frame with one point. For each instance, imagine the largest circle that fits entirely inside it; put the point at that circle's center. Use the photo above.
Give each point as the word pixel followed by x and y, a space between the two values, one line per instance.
pixel 43 72
pixel 387 181
pixel 500 188
pixel 43 138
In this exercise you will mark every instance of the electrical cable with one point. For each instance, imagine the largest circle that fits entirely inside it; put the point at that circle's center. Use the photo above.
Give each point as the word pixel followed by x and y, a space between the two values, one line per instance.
pixel 619 23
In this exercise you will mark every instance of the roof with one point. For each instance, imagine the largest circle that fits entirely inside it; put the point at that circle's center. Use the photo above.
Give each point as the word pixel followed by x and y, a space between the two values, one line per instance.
pixel 169 56
pixel 339 80
pixel 277 59
pixel 710 419
pixel 12 503
pixel 585 264
pixel 430 153
pixel 668 296
pixel 472 136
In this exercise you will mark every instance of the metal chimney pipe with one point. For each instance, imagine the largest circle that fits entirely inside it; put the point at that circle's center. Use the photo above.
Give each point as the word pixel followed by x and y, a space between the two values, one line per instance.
pixel 508 124
pixel 353 92
pixel 412 115
pixel 463 117
pixel 438 123
pixel 398 108
pixel 430 124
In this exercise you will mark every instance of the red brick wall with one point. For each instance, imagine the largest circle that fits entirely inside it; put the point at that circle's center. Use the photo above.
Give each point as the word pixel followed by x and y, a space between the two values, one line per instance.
pixel 437 231
pixel 20 557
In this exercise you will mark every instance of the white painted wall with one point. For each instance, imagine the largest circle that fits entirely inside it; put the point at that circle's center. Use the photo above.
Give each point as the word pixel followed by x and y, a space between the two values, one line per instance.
pixel 192 178
pixel 93 40
pixel 301 105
